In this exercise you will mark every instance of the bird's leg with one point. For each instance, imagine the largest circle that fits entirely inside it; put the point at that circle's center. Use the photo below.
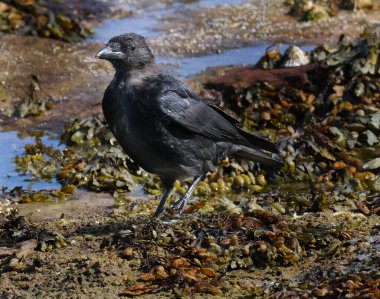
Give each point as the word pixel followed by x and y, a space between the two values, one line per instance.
pixel 182 202
pixel 168 186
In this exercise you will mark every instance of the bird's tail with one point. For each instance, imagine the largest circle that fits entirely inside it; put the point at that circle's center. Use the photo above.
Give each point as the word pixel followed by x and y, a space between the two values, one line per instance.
pixel 251 154
pixel 258 142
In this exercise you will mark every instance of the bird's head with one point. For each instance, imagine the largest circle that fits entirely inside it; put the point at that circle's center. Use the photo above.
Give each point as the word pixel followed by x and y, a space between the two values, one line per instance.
pixel 126 52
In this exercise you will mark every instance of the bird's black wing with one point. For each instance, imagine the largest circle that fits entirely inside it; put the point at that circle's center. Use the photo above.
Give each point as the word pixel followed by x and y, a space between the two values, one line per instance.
pixel 182 107
pixel 254 140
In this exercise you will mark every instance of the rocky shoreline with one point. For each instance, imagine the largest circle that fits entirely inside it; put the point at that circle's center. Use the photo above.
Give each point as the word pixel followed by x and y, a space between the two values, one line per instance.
pixel 310 231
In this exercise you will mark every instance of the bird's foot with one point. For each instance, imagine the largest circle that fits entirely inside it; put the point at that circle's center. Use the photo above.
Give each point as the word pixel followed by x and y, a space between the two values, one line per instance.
pixel 181 204
pixel 177 204
pixel 182 207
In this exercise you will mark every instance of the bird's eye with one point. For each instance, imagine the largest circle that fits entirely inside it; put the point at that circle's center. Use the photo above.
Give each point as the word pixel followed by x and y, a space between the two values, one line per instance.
pixel 114 47
pixel 131 46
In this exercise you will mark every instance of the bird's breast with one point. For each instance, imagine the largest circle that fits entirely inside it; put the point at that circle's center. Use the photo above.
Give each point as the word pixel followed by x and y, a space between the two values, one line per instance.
pixel 133 123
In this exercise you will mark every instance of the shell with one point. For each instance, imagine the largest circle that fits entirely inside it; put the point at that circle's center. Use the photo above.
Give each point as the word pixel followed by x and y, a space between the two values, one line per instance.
pixel 294 56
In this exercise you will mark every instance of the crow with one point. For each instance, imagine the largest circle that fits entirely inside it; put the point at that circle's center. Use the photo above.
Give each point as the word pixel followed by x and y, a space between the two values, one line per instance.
pixel 165 127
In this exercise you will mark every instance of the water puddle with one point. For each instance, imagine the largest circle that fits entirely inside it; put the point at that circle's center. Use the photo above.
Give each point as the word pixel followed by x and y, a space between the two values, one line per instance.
pixel 11 145
pixel 142 24
pixel 186 67
pixel 147 18
pixel 211 3
pixel 183 67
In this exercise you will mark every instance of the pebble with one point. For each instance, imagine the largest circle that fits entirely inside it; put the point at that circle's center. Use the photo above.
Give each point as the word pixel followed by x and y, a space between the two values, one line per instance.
pixel 373 164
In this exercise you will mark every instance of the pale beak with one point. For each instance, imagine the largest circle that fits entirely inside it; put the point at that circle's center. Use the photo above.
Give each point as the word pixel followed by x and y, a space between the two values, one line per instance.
pixel 108 54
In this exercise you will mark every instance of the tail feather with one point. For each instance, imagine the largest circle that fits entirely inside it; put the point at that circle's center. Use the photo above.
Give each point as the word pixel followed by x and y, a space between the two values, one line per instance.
pixel 257 156
pixel 258 142
pixel 253 140
pixel 249 146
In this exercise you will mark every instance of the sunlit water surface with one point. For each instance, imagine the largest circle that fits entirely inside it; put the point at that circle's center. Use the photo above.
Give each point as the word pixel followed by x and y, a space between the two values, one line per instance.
pixel 11 145
pixel 145 23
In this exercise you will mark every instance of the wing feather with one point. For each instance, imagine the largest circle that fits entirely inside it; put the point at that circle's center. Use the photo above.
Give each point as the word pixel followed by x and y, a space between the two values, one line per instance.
pixel 181 107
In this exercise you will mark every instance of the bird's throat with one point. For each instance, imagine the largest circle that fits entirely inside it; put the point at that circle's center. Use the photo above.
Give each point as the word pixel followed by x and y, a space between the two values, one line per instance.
pixel 137 77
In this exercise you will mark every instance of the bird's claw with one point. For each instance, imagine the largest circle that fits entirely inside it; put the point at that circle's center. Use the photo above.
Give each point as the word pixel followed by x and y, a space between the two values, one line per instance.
pixel 176 205
pixel 180 205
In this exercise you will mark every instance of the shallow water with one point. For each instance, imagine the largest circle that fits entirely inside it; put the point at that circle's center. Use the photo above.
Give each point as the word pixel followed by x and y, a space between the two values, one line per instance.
pixel 142 24
pixel 145 23
pixel 190 66
pixel 11 145
pixel 184 67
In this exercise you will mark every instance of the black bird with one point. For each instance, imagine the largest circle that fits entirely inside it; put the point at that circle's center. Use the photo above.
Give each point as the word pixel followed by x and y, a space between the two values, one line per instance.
pixel 164 127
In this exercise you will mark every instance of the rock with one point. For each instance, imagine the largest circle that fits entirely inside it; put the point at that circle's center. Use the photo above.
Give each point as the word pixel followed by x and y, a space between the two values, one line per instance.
pixel 356 4
pixel 373 164
pixel 294 56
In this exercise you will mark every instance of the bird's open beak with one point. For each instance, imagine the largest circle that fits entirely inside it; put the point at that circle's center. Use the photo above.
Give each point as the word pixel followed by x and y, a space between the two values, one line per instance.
pixel 108 54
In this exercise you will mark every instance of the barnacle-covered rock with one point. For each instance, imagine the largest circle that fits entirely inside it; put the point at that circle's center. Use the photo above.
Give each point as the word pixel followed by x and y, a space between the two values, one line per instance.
pixel 294 56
